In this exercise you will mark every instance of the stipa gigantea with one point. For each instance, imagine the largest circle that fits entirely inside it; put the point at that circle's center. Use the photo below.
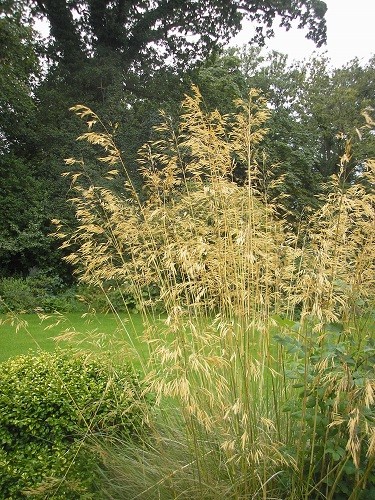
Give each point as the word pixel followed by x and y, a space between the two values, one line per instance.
pixel 338 278
pixel 220 260
pixel 228 272
pixel 335 289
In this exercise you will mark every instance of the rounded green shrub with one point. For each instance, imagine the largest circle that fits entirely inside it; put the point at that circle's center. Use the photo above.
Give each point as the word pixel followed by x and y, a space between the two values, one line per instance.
pixel 49 405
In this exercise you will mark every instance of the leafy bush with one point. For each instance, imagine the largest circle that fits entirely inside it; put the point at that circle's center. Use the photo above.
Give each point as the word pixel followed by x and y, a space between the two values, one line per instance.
pixel 48 293
pixel 49 405
pixel 16 295
pixel 333 413
pixel 39 290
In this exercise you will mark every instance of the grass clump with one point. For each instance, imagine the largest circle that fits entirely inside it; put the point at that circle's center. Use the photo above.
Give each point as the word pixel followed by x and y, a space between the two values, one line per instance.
pixel 261 398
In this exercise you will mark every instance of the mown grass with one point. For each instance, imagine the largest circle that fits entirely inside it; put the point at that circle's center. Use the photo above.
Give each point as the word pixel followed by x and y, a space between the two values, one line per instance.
pixel 22 333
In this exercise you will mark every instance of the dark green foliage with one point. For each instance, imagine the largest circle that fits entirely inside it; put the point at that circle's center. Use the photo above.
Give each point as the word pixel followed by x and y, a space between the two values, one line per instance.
pixel 19 70
pixel 16 295
pixel 24 189
pixel 330 409
pixel 49 405
pixel 143 32
pixel 314 110
pixel 23 230
pixel 41 291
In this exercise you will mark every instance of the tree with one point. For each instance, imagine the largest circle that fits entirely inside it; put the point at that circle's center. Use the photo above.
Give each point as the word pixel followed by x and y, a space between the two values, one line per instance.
pixel 23 242
pixel 331 110
pixel 124 58
pixel 19 71
pixel 127 59
pixel 315 109
pixel 145 36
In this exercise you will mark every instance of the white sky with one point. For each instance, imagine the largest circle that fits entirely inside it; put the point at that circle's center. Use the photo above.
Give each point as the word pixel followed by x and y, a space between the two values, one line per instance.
pixel 350 33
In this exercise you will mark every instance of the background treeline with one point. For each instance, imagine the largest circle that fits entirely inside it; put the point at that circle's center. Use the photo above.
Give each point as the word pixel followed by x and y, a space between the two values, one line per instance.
pixel 90 58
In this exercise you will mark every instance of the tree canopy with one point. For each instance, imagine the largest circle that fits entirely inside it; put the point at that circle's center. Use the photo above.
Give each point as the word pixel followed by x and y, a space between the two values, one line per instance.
pixel 315 109
pixel 149 35
pixel 132 26
pixel 19 69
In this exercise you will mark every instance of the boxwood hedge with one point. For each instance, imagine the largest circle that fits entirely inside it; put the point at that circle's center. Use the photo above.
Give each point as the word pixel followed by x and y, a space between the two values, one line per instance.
pixel 50 404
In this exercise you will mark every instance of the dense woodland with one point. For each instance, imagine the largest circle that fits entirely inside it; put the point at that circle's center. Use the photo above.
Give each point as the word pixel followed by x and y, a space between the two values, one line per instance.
pixel 128 60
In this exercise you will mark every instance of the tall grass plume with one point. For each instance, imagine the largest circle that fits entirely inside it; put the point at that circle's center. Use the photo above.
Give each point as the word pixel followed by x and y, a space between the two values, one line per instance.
pixel 262 361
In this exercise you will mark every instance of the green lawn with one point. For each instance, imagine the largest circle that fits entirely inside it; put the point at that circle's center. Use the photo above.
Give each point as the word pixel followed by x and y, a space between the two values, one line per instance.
pixel 25 332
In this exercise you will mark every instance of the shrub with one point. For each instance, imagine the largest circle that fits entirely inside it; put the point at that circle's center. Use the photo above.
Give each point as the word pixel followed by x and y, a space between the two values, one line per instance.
pixel 48 293
pixel 39 290
pixel 49 405
pixel 332 410
pixel 106 298
pixel 16 295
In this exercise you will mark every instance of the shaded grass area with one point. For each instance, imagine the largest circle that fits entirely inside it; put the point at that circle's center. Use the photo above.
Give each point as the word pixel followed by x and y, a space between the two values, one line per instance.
pixel 119 333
